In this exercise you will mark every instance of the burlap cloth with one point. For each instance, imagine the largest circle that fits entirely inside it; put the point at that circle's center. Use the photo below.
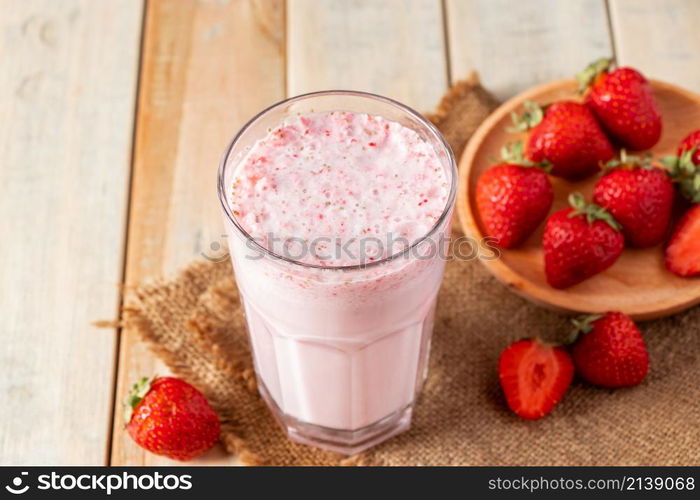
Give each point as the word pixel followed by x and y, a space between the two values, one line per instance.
pixel 195 323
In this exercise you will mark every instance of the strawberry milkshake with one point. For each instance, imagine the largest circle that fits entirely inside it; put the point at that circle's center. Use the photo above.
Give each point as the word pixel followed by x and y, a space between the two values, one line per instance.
pixel 337 207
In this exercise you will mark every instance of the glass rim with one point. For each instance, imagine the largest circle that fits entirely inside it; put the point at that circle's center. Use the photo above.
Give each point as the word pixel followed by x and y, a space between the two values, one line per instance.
pixel 222 191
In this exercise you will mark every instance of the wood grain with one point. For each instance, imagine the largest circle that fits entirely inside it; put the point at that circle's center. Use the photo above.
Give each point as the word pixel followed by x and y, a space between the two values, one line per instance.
pixel 638 283
pixel 393 48
pixel 661 39
pixel 207 68
pixel 515 45
pixel 67 89
pixel 67 92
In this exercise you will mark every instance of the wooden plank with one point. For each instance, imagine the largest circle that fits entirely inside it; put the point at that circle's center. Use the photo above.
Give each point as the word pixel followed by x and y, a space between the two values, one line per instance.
pixel 515 45
pixel 207 67
pixel 67 91
pixel 394 48
pixel 661 39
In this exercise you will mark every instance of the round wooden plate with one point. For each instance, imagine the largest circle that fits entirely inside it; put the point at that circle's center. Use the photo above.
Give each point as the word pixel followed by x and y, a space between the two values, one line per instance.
pixel 638 283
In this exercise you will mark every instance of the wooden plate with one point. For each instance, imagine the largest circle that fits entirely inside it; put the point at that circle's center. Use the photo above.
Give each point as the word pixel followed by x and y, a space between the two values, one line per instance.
pixel 638 283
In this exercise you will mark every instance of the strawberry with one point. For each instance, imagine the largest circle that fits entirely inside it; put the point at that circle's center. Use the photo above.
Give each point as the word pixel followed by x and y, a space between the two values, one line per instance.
pixel 691 142
pixel 513 198
pixel 566 135
pixel 534 377
pixel 579 242
pixel 639 196
pixel 683 250
pixel 169 417
pixel 610 350
pixel 624 103
pixel 685 166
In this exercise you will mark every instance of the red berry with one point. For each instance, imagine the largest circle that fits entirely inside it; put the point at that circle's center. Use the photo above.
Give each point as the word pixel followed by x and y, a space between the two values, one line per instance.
pixel 610 351
pixel 579 242
pixel 624 103
pixel 640 198
pixel 534 377
pixel 512 201
pixel 570 139
pixel 683 250
pixel 169 417
pixel 691 142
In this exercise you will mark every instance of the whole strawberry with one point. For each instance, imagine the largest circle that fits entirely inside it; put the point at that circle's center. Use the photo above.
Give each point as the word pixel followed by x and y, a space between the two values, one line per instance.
pixel 685 166
pixel 513 198
pixel 567 136
pixel 610 350
pixel 683 250
pixel 624 103
pixel 534 377
pixel 639 196
pixel 169 417
pixel 579 242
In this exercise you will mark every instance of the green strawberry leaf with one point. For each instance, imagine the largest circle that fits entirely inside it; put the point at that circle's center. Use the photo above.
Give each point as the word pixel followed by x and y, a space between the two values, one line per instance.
pixel 630 161
pixel 685 173
pixel 586 77
pixel 532 116
pixel 136 395
pixel 591 211
pixel 514 154
pixel 670 161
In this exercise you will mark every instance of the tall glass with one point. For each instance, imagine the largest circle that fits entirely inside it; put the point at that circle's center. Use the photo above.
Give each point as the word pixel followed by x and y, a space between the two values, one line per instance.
pixel 340 353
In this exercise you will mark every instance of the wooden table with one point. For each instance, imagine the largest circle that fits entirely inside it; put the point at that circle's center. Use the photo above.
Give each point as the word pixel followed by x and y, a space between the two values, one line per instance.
pixel 114 114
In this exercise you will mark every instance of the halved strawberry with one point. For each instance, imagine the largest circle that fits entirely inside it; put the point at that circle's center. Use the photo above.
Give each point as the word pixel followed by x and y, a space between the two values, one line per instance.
pixel 683 250
pixel 534 377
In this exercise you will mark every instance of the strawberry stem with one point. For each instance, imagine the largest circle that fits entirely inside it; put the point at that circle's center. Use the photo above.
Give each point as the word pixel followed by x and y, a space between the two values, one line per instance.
pixel 582 324
pixel 592 211
pixel 586 77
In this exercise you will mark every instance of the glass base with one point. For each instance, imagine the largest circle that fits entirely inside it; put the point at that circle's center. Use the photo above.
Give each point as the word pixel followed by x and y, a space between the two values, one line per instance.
pixel 346 442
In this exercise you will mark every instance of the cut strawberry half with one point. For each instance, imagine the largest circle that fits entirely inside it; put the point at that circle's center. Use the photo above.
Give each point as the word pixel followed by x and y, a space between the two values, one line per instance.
pixel 534 377
pixel 683 250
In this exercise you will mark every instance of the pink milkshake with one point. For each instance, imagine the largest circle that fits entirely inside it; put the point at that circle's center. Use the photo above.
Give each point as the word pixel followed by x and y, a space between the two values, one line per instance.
pixel 337 206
